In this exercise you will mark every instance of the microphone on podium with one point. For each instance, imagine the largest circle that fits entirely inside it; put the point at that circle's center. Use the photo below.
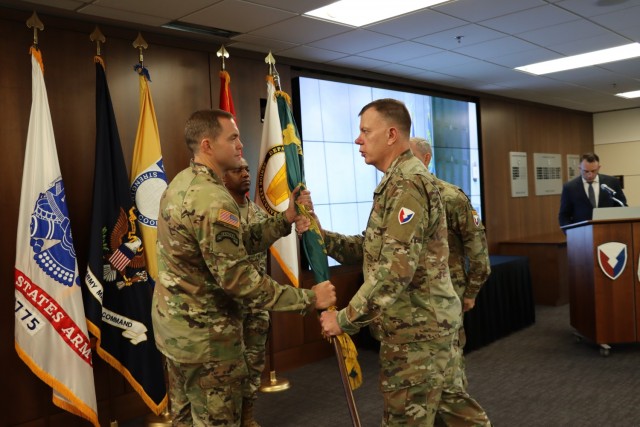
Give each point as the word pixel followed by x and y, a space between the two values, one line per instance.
pixel 608 189
pixel 612 193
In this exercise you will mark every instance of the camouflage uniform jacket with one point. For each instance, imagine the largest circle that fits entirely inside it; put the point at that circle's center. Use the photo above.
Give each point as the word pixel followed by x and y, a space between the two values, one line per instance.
pixel 407 295
pixel 467 241
pixel 254 214
pixel 205 277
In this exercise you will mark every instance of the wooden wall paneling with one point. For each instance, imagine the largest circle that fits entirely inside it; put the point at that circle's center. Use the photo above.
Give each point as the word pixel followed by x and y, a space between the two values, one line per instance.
pixel 498 121
pixel 184 79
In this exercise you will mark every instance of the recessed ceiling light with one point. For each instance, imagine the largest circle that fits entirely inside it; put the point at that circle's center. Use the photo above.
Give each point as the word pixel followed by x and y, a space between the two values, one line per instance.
pixel 358 13
pixel 584 60
pixel 628 95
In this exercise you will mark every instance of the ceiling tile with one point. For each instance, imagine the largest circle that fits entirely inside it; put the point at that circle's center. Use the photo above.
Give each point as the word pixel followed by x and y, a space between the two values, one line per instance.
pixel 416 24
pixel 470 34
pixel 594 8
pixel 400 52
pixel 496 48
pixel 576 47
pixel 62 4
pixel 301 30
pixel 309 53
pixel 239 16
pixel 439 61
pixel 169 9
pixel 397 70
pixel 358 62
pixel 123 15
pixel 267 44
pixel 476 11
pixel 530 19
pixel 566 32
pixel 293 6
pixel 355 41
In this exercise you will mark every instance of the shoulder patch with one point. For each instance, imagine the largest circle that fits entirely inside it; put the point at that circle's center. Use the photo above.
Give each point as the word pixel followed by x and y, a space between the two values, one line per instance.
pixel 405 215
pixel 226 217
pixel 476 218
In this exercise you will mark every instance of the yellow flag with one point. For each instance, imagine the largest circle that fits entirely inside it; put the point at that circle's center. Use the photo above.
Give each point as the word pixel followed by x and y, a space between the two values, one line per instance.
pixel 148 179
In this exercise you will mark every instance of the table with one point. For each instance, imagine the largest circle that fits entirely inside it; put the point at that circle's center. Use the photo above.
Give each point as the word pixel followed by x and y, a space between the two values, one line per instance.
pixel 548 262
pixel 504 305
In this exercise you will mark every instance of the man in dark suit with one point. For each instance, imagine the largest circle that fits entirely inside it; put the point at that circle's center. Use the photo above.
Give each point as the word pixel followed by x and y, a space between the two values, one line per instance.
pixel 585 192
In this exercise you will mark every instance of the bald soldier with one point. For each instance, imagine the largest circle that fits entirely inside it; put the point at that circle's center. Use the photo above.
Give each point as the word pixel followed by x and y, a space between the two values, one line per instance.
pixel 469 263
pixel 407 297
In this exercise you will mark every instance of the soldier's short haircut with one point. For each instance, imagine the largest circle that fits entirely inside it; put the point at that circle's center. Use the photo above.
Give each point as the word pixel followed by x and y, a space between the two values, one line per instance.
pixel 394 111
pixel 422 146
pixel 201 124
pixel 590 157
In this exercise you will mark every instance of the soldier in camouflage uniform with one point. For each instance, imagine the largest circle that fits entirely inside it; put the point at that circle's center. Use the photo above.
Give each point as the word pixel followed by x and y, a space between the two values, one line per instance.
pixel 205 280
pixel 469 264
pixel 255 326
pixel 407 297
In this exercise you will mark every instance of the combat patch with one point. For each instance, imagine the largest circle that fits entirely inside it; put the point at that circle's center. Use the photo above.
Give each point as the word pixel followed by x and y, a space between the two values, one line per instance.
pixel 227 218
pixel 228 235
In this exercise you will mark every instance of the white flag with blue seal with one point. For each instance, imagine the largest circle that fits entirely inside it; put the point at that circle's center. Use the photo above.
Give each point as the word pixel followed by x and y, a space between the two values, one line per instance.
pixel 50 325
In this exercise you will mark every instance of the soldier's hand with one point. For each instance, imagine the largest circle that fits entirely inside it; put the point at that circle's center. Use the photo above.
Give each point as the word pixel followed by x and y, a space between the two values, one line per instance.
pixel 302 224
pixel 325 295
pixel 298 196
pixel 329 323
pixel 468 303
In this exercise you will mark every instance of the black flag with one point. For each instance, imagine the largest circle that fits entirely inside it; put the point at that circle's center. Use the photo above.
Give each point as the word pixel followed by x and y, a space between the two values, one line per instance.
pixel 117 292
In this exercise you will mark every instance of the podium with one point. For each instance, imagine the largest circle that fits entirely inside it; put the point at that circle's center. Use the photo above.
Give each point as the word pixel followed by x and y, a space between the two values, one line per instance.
pixel 604 280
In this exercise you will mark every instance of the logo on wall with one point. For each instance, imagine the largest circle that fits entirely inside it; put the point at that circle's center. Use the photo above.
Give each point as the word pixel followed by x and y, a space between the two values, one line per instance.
pixel 612 258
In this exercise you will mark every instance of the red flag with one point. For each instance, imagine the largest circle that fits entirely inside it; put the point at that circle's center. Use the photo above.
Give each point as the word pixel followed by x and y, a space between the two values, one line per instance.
pixel 226 102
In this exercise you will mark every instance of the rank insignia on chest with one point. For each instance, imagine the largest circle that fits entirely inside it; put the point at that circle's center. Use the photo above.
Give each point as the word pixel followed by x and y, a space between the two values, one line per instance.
pixel 405 215
pixel 226 217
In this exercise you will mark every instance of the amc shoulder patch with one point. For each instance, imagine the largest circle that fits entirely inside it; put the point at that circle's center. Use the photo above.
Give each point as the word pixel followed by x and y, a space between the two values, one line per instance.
pixel 226 217
pixel 476 218
pixel 405 215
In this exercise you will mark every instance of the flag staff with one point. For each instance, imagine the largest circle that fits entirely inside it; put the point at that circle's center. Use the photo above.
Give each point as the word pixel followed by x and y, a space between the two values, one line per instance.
pixel 140 43
pixel 321 274
pixel 35 23
pixel 269 59
pixel 98 37
pixel 275 383
pixel 164 419
pixel 222 53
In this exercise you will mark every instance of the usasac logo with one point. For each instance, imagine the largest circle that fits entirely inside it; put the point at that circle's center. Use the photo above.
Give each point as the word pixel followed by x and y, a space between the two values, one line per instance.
pixel 147 190
pixel 612 257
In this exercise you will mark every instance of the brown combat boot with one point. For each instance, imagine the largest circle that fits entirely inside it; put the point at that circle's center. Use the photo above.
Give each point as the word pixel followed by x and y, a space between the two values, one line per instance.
pixel 247 414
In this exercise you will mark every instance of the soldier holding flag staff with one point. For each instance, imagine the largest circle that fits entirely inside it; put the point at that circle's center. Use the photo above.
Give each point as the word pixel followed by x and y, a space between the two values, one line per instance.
pixel 205 280
pixel 407 297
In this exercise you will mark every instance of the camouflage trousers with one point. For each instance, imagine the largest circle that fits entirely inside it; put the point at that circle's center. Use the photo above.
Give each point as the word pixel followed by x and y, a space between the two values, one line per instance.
pixel 255 328
pixel 441 399
pixel 203 395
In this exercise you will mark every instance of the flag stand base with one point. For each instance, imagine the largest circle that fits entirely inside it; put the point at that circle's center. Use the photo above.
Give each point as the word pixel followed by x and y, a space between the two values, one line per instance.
pixel 275 384
pixel 153 420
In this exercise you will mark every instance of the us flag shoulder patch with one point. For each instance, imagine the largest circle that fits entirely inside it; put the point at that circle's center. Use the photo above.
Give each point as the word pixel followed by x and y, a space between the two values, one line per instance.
pixel 228 218
pixel 405 215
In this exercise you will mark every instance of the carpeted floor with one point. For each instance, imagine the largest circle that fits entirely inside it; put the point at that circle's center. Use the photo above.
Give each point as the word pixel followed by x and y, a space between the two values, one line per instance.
pixel 540 376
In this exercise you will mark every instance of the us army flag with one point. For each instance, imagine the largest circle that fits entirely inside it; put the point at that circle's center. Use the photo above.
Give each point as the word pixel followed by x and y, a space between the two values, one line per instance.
pixel 117 290
pixel 272 191
pixel 148 179
pixel 50 326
